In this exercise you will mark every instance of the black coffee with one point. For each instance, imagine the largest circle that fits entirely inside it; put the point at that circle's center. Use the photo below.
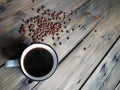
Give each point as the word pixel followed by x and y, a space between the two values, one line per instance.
pixel 38 62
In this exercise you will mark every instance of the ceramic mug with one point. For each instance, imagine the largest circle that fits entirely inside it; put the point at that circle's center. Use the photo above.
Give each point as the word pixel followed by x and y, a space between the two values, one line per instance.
pixel 37 62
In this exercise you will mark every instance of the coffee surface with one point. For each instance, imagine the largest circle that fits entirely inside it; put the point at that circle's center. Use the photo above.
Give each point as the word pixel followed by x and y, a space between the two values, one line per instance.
pixel 38 62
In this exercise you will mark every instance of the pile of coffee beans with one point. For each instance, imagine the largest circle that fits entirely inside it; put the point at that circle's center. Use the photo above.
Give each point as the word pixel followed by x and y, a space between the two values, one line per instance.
pixel 47 22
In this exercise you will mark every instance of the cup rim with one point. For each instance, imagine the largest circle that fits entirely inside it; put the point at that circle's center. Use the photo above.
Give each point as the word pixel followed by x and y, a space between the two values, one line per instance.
pixel 39 45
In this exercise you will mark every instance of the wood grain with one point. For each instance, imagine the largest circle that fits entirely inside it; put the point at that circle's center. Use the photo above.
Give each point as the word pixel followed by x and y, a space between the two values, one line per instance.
pixel 12 78
pixel 73 72
pixel 89 22
pixel 15 17
pixel 88 54
pixel 9 31
pixel 107 75
pixel 118 86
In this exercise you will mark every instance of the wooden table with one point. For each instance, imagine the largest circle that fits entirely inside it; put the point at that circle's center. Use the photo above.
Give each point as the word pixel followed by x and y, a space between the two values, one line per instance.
pixel 89 60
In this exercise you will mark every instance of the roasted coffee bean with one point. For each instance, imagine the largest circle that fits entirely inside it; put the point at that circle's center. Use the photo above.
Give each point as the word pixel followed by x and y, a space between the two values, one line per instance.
pixel 60 43
pixel 68 38
pixel 46 23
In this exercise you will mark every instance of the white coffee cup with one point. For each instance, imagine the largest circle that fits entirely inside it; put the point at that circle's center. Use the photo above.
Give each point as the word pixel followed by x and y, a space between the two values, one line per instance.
pixel 37 62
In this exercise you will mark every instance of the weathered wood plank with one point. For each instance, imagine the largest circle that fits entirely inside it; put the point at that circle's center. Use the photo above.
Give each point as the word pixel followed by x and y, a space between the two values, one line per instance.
pixel 13 6
pixel 118 86
pixel 22 5
pixel 13 78
pixel 14 81
pixel 9 31
pixel 107 75
pixel 13 36
pixel 77 67
pixel 75 38
pixel 88 22
pixel 14 19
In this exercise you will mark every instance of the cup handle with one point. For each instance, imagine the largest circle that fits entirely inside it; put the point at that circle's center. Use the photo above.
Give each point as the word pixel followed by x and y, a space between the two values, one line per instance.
pixel 12 63
pixel 15 63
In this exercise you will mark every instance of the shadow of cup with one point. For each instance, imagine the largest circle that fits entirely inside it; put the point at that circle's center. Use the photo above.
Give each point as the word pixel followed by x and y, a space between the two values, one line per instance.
pixel 37 61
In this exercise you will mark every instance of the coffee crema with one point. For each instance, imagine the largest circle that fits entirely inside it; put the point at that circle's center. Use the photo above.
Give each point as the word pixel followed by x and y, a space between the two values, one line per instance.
pixel 38 62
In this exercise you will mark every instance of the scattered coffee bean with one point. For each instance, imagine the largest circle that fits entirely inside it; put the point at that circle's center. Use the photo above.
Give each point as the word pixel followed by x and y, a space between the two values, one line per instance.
pixel 76 12
pixel 23 20
pixel 57 34
pixel 43 7
pixel 64 22
pixel 48 10
pixel 53 38
pixel 73 29
pixel 58 38
pixel 60 43
pixel 69 19
pixel 30 34
pixel 40 26
pixel 95 30
pixel 79 26
pixel 68 38
pixel 33 1
pixel 97 17
pixel 108 38
pixel 32 9
pixel 88 13
pixel 71 12
pixel 38 10
pixel 61 30
pixel 54 44
pixel 103 36
pixel 84 48
pixel 67 31
pixel 65 26
pixel 42 40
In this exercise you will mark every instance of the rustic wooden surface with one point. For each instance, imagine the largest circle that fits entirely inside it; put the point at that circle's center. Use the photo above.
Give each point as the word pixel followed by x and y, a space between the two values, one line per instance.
pixel 9 32
pixel 118 86
pixel 89 59
pixel 73 73
pixel 107 75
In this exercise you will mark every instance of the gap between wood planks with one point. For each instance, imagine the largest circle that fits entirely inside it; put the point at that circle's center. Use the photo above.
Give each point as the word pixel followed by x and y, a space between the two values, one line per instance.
pixel 7 37
pixel 78 43
pixel 106 76
pixel 117 86
pixel 3 64
pixel 70 51
pixel 76 46
pixel 17 33
pixel 107 51
pixel 99 62
pixel 81 40
pixel 28 12
pixel 68 16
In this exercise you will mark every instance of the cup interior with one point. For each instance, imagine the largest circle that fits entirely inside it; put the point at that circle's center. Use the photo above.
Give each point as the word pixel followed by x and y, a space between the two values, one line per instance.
pixel 38 61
